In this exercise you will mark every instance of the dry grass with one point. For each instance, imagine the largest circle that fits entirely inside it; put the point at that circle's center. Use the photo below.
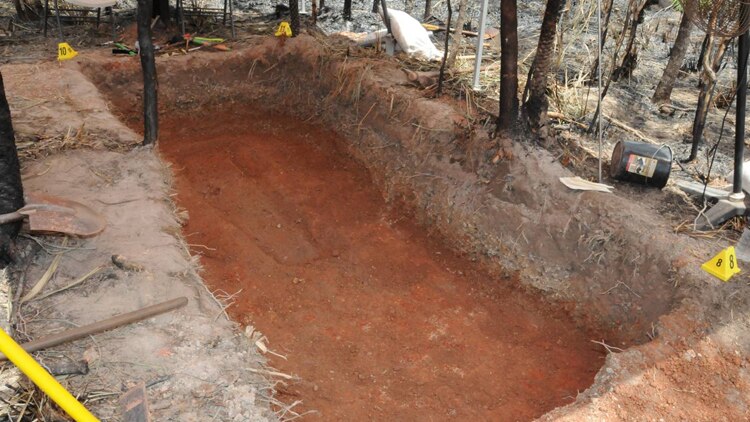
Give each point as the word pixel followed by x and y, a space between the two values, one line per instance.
pixel 33 147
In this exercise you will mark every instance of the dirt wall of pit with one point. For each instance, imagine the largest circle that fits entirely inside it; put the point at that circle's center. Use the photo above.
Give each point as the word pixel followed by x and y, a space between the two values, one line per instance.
pixel 613 263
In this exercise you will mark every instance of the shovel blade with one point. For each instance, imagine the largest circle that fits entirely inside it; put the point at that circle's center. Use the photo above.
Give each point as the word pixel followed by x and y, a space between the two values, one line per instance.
pixel 49 214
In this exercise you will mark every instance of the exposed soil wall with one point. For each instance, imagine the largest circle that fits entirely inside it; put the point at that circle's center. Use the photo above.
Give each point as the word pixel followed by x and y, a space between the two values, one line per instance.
pixel 601 253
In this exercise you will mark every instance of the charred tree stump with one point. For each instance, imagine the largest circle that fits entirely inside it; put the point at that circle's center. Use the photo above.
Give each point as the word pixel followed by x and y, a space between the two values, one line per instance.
pixel 536 106
pixel 663 91
pixel 11 189
pixel 294 16
pixel 348 10
pixel 508 115
pixel 150 88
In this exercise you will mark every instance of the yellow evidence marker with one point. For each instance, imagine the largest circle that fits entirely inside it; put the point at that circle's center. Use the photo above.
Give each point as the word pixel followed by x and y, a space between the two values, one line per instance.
pixel 284 30
pixel 65 51
pixel 723 266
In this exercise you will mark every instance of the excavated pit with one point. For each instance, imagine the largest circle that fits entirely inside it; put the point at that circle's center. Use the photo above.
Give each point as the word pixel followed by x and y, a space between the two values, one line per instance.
pixel 400 278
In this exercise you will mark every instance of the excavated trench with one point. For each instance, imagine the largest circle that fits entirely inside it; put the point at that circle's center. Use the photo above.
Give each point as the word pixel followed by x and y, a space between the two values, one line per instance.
pixel 335 240
pixel 377 318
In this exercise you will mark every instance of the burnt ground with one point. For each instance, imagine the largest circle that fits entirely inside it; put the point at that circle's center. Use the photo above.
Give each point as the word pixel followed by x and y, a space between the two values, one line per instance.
pixel 676 339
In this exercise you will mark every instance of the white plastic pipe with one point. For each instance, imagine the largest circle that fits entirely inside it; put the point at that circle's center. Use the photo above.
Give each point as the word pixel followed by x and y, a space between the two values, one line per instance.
pixel 480 45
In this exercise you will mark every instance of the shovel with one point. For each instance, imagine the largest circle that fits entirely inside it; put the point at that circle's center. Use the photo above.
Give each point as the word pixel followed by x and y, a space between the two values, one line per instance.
pixel 49 214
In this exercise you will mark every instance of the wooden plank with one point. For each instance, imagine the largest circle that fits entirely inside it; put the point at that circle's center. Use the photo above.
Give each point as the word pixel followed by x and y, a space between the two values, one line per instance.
pixel 134 405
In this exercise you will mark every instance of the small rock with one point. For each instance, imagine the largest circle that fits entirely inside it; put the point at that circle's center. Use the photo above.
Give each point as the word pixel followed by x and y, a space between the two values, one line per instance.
pixel 126 265
pixel 689 355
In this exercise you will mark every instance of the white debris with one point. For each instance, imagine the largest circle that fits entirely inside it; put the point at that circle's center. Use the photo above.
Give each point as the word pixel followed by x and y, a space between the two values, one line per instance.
pixel 411 36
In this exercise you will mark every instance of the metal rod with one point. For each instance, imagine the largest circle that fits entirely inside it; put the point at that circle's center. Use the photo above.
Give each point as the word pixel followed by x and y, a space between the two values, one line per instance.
pixel 105 325
pixel 739 133
pixel 599 81
pixel 480 45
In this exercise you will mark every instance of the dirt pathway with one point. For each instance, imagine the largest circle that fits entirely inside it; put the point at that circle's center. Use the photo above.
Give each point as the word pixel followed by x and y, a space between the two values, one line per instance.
pixel 378 320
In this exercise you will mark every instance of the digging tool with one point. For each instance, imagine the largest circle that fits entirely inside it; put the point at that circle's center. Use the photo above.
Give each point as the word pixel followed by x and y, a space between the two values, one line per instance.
pixel 49 214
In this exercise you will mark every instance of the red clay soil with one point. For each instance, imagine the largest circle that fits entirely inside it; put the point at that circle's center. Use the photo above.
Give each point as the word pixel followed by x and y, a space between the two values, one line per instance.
pixel 377 318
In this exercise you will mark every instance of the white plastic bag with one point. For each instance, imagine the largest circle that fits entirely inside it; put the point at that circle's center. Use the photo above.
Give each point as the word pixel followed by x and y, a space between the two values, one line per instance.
pixel 411 36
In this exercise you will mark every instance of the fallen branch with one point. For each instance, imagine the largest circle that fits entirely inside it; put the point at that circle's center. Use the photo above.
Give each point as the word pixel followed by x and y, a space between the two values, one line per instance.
pixel 632 130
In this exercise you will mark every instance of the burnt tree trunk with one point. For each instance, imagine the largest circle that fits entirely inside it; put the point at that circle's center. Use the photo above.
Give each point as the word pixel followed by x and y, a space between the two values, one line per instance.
pixel 535 107
pixel 321 5
pixel 160 8
pixel 630 59
pixel 663 90
pixel 28 10
pixel 375 6
pixel 348 10
pixel 150 88
pixel 704 47
pixel 294 16
pixel 706 94
pixel 508 115
pixel 607 12
pixel 427 9
pixel 11 190
pixel 458 35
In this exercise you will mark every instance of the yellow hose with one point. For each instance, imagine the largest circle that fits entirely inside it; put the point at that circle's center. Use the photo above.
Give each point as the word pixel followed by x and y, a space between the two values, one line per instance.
pixel 43 379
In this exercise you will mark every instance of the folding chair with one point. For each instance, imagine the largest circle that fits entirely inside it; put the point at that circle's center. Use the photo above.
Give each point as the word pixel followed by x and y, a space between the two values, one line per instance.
pixel 79 10
pixel 196 11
